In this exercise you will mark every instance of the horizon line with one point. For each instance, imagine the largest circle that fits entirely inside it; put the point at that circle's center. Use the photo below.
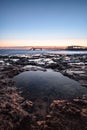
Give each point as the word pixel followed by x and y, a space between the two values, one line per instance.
pixel 35 46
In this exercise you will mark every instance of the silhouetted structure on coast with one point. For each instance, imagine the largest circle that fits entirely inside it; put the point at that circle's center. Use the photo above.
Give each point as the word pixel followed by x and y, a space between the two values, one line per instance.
pixel 76 48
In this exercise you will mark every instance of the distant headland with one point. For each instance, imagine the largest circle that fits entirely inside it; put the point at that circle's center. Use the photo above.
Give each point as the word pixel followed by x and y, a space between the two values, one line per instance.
pixel 76 48
pixel 72 48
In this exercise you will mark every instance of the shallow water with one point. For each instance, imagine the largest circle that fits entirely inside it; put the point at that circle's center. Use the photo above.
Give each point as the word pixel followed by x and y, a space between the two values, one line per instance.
pixel 50 84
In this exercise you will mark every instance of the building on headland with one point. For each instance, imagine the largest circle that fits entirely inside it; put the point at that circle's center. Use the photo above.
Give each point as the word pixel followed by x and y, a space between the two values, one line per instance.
pixel 76 48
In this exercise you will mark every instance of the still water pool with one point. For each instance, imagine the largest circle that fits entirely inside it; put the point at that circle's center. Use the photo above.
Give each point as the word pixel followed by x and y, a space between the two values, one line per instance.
pixel 50 84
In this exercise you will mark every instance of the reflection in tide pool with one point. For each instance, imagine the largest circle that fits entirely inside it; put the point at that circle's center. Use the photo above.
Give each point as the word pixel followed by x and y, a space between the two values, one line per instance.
pixel 48 84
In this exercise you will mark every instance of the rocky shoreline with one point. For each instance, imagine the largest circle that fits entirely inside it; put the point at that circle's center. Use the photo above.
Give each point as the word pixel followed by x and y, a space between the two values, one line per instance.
pixel 73 66
pixel 16 113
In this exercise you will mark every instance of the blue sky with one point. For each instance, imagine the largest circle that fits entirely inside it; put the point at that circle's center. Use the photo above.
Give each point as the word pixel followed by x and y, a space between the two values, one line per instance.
pixel 30 20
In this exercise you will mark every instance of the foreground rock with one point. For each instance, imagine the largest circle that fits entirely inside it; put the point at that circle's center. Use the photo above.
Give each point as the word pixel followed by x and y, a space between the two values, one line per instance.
pixel 12 104
pixel 61 115
pixel 16 113
pixel 12 108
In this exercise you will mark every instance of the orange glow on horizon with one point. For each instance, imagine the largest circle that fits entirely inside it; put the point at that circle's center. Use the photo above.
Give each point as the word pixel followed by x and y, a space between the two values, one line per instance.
pixel 52 42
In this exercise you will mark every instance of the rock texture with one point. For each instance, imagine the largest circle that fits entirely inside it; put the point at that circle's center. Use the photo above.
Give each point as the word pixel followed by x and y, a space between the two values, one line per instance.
pixel 61 115
pixel 16 113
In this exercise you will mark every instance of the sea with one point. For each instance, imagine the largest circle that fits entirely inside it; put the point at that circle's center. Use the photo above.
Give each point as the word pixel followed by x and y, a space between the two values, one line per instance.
pixel 24 51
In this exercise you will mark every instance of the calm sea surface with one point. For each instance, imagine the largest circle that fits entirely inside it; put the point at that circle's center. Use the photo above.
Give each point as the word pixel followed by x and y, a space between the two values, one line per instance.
pixel 22 52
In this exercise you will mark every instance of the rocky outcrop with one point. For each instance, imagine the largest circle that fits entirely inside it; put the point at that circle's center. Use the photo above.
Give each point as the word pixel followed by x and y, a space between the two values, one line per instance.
pixel 66 115
pixel 61 115
pixel 12 108
pixel 16 113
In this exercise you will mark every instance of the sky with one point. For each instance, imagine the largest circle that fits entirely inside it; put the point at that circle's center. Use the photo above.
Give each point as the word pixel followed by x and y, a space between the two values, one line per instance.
pixel 43 22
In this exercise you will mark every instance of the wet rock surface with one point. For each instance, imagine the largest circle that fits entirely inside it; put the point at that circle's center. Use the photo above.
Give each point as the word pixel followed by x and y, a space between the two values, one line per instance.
pixel 61 115
pixel 73 66
pixel 16 113
pixel 11 109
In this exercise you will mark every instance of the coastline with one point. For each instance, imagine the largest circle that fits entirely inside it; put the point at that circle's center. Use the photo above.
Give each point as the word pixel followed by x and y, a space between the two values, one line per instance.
pixel 19 113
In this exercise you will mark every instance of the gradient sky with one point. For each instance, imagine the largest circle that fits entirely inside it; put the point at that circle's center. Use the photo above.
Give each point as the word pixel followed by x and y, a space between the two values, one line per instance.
pixel 43 22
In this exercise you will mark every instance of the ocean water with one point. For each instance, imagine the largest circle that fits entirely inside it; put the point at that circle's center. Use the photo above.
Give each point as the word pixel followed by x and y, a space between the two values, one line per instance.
pixel 23 52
